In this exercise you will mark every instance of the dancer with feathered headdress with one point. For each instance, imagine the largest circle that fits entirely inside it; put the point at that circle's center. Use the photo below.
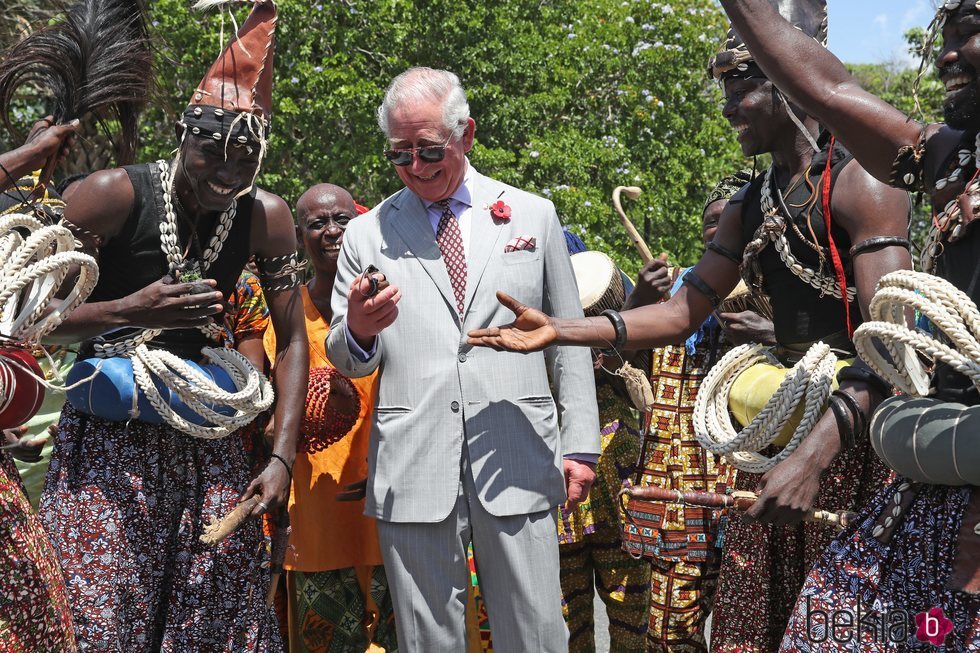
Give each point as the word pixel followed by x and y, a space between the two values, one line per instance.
pixel 147 454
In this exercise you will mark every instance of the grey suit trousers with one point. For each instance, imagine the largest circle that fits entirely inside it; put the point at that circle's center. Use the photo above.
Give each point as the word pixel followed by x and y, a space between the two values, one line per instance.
pixel 515 559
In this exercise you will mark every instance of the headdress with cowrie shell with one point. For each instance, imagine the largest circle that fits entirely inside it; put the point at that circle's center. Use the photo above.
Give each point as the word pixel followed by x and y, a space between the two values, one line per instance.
pixel 735 60
pixel 233 103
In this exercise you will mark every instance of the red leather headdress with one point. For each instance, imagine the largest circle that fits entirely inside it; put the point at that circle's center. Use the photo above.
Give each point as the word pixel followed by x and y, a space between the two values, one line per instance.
pixel 235 97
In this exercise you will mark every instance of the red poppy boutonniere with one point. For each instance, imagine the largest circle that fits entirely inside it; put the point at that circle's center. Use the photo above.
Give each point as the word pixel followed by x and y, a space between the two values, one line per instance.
pixel 500 211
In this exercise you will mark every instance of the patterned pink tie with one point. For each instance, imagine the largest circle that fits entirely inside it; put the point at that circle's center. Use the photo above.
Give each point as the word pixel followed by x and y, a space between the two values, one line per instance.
pixel 451 244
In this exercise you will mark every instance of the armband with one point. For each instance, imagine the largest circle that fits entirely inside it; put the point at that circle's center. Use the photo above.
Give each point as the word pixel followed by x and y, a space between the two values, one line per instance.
pixel 278 273
pixel 701 286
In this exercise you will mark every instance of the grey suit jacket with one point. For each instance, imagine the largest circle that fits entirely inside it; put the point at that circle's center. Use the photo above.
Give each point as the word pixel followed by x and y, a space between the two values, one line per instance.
pixel 435 391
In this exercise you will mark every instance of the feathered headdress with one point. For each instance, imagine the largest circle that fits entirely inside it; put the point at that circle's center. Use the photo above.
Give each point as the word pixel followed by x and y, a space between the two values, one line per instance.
pixel 96 60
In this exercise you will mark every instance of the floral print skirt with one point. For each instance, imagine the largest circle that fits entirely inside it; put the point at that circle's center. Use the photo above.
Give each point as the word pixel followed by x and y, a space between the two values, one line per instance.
pixel 34 614
pixel 890 584
pixel 125 505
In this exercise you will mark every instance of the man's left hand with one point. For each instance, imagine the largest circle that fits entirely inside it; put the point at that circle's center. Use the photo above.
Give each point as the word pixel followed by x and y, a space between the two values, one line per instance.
pixel 578 480
pixel 272 486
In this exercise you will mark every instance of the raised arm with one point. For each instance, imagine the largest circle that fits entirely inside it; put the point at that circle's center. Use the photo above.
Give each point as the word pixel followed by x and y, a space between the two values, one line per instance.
pixel 873 130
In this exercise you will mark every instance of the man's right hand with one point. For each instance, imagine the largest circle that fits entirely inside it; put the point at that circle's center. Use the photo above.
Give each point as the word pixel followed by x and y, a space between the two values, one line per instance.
pixel 168 305
pixel 530 331
pixel 367 316
pixel 652 284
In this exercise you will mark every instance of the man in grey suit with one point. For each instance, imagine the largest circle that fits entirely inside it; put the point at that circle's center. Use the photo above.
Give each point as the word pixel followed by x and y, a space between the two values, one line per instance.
pixel 467 444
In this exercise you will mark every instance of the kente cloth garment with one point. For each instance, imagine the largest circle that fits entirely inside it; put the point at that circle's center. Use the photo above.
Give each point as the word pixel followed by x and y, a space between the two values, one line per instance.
pixel 763 566
pixel 675 460
pixel 248 312
pixel 318 477
pixel 620 445
pixel 450 240
pixel 680 600
pixel 125 505
pixel 889 583
pixel 331 608
pixel 34 613
pixel 32 473
pixel 478 638
pixel 592 560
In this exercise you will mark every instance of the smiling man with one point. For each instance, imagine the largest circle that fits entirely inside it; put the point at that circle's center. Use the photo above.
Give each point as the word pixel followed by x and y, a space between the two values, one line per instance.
pixel 125 502
pixel 806 209
pixel 466 444
pixel 915 546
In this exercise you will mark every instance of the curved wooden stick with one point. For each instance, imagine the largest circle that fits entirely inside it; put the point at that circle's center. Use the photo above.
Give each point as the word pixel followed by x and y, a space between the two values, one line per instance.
pixel 740 501
pixel 632 192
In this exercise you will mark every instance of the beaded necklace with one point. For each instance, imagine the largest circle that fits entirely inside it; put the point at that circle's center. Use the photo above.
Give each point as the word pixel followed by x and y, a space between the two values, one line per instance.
pixel 951 220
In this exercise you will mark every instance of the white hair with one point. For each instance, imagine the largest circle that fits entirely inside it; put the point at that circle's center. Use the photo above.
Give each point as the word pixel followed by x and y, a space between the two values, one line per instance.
pixel 424 85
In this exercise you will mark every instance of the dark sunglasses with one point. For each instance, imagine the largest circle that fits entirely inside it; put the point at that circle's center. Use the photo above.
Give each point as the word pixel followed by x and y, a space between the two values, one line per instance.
pixel 428 153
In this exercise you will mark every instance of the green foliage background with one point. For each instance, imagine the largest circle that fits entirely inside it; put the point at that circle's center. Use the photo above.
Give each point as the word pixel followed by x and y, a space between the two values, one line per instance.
pixel 571 98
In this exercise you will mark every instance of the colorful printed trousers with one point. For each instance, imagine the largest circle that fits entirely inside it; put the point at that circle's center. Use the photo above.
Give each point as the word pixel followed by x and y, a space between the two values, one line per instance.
pixel 681 593
pixel 599 565
pixel 763 566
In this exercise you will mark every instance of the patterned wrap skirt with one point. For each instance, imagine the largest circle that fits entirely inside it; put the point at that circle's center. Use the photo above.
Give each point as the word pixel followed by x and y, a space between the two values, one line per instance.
pixel 125 506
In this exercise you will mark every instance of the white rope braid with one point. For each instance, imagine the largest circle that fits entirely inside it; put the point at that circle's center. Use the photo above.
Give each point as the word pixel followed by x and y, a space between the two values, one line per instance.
pixel 809 379
pixel 32 270
pixel 947 307
pixel 253 395
pixel 773 228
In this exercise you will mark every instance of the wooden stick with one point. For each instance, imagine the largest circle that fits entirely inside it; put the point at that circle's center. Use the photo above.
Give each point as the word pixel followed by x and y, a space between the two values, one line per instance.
pixel 739 500
pixel 218 530
pixel 632 192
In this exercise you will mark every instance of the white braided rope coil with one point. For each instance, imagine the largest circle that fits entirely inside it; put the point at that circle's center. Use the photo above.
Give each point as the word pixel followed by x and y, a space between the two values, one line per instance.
pixel 809 380
pixel 32 270
pixel 253 393
pixel 947 307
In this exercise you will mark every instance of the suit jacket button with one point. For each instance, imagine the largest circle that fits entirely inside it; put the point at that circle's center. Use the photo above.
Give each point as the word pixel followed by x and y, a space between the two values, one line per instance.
pixel 462 358
pixel 454 406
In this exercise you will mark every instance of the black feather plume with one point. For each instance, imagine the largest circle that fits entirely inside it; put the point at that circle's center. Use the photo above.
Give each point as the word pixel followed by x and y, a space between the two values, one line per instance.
pixel 96 60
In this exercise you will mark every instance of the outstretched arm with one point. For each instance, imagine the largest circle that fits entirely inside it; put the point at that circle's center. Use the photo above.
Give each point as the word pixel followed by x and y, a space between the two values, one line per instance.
pixel 649 326
pixel 817 81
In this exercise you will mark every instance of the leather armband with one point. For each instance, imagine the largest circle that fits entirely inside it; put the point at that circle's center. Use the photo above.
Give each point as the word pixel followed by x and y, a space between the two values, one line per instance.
pixel 734 257
pixel 862 375
pixel 278 273
pixel 701 286
pixel 878 242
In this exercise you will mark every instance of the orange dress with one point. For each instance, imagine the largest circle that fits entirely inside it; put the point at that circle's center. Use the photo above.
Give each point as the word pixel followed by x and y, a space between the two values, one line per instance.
pixel 328 534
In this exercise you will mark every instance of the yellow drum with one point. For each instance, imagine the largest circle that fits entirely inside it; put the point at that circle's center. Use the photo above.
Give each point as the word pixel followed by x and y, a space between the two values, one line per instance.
pixel 753 388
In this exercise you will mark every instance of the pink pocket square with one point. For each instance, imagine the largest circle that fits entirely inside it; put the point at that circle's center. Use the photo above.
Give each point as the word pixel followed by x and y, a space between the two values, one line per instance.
pixel 521 243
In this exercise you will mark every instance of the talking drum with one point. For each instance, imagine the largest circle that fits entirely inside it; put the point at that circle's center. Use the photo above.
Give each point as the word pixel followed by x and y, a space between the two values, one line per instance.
pixel 600 284
pixel 21 393
pixel 109 392
pixel 928 440
pixel 332 408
